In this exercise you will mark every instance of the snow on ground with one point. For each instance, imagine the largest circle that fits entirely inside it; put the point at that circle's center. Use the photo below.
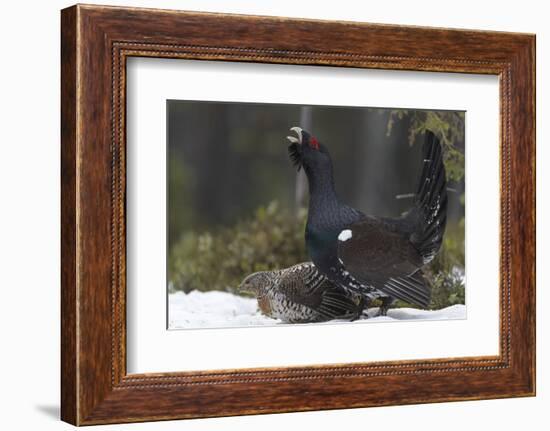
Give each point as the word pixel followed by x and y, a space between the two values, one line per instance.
pixel 213 310
pixel 222 309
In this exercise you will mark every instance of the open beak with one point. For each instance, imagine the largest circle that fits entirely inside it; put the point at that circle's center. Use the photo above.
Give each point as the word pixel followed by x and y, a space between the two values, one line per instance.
pixel 294 139
pixel 295 147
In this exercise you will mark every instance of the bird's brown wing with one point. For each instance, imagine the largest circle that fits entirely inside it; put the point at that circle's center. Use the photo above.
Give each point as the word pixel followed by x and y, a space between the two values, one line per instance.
pixel 378 256
pixel 311 289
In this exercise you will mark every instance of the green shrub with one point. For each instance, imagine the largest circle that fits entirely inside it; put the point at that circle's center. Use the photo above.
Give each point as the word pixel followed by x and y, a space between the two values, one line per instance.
pixel 446 271
pixel 272 238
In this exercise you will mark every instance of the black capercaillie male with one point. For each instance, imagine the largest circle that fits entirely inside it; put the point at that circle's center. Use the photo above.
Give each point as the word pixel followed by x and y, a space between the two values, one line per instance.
pixel 365 253
pixel 301 294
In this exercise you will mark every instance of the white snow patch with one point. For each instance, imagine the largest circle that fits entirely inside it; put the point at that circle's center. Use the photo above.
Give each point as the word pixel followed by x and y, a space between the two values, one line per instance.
pixel 225 310
pixel 454 312
pixel 213 310
pixel 345 235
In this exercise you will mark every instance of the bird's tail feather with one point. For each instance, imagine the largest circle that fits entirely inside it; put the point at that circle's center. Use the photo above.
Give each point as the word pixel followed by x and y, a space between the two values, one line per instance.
pixel 338 304
pixel 429 213
pixel 412 289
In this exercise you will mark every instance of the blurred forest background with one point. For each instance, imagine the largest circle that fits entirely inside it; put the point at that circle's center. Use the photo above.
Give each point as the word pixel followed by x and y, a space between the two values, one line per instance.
pixel 236 205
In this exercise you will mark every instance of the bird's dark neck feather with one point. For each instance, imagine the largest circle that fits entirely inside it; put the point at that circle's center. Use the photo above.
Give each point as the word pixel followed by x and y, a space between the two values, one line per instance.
pixel 326 211
pixel 322 194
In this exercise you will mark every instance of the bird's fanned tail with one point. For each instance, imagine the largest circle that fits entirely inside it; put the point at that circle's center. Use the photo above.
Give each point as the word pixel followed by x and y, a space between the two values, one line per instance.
pixel 429 214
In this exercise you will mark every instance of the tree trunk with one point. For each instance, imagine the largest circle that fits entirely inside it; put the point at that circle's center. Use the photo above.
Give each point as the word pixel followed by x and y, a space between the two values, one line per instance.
pixel 301 179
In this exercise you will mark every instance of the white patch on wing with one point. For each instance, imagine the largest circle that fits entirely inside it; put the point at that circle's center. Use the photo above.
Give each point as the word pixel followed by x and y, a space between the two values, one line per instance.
pixel 345 235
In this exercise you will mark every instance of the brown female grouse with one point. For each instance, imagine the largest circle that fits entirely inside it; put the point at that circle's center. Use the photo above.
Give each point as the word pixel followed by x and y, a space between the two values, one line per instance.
pixel 301 294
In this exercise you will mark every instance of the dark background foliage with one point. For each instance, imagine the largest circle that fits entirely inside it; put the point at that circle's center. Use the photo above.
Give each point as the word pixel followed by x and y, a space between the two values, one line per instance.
pixel 236 204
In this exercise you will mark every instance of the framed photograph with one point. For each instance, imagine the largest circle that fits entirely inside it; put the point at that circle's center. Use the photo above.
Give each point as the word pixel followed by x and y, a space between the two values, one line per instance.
pixel 319 214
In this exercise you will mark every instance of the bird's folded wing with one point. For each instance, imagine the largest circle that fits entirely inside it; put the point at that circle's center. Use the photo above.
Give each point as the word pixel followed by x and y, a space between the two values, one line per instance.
pixel 380 257
pixel 412 288
pixel 320 295
pixel 337 303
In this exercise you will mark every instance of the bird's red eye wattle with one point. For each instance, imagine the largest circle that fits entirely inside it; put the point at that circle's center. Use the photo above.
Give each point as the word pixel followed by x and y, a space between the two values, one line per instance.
pixel 314 143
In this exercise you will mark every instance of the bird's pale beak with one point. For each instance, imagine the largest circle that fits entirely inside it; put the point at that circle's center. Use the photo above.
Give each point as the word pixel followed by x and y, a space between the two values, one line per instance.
pixel 293 139
pixel 244 288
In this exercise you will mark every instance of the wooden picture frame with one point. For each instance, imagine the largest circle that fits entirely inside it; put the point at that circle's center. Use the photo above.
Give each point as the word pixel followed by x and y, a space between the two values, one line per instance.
pixel 95 43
